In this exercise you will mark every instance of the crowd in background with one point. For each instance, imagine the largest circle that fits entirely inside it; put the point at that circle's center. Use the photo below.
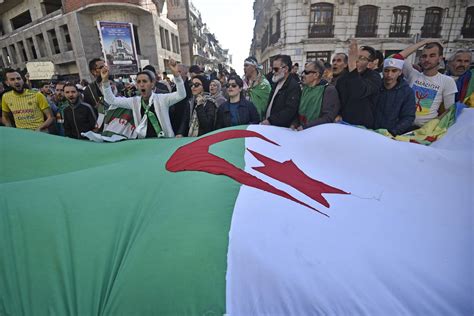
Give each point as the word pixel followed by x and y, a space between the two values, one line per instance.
pixel 359 87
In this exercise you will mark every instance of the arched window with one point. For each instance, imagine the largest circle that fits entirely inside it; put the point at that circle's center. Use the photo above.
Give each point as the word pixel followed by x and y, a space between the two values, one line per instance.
pixel 400 26
pixel 432 25
pixel 367 21
pixel 321 20
pixel 467 30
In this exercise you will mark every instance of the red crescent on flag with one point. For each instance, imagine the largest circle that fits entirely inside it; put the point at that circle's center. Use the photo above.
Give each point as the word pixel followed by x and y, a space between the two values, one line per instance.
pixel 195 156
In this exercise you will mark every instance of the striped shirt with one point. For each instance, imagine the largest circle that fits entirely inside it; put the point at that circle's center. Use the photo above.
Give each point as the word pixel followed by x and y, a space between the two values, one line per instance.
pixel 27 108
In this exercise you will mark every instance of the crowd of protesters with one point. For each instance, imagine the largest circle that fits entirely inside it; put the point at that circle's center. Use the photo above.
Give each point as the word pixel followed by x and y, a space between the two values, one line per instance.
pixel 359 87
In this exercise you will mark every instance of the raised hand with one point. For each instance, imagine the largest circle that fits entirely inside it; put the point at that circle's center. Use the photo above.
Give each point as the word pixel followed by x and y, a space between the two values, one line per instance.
pixel 353 54
pixel 104 73
pixel 174 67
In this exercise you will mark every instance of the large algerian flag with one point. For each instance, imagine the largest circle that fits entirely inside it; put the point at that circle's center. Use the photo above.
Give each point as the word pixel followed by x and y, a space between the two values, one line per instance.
pixel 333 220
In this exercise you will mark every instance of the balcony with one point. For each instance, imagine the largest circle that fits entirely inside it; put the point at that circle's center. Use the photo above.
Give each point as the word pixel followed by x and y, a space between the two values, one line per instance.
pixel 468 32
pixel 320 30
pixel 431 31
pixel 367 30
pixel 399 30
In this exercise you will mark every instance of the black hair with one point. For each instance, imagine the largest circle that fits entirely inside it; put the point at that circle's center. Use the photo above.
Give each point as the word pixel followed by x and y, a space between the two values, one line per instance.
pixel 371 51
pixel 70 84
pixel 237 80
pixel 92 63
pixel 435 44
pixel 379 56
pixel 9 71
pixel 150 68
pixel 284 59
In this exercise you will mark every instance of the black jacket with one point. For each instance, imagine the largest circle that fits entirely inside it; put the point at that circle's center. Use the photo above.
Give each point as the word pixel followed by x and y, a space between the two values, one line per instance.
pixel 247 114
pixel 94 97
pixel 358 95
pixel 285 105
pixel 177 110
pixel 78 118
pixel 206 115
pixel 396 108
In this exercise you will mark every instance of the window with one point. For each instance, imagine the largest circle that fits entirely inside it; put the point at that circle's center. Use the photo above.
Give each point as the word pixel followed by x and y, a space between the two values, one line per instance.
pixel 467 30
pixel 162 37
pixel 7 56
pixel 136 40
pixel 367 21
pixel 400 26
pixel 49 6
pixel 21 20
pixel 321 20
pixel 432 25
pixel 31 46
pixel 275 28
pixel 175 43
pixel 13 54
pixel 21 48
pixel 167 37
pixel 265 40
pixel 67 38
pixel 53 41
pixel 323 55
pixel 41 45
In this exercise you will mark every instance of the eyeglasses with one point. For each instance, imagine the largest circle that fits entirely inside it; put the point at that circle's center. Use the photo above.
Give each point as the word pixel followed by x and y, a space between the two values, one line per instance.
pixel 307 72
pixel 363 58
pixel 195 85
pixel 277 69
pixel 233 85
pixel 100 67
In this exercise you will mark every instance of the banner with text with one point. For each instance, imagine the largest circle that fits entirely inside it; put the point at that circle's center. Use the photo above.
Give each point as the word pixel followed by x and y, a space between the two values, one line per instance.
pixel 118 47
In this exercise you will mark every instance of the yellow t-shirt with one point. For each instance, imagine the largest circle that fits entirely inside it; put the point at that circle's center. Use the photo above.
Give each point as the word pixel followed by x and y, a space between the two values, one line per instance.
pixel 27 108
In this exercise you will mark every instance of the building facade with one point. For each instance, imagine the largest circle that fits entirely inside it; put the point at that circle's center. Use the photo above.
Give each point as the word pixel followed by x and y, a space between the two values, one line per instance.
pixel 312 29
pixel 65 32
pixel 198 44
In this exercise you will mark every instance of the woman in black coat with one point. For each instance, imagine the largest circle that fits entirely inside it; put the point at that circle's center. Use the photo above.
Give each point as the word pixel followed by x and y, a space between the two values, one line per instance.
pixel 236 111
pixel 200 116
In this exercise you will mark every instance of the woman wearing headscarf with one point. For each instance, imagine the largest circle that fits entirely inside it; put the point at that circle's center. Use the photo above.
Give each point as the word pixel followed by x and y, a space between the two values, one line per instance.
pixel 215 89
pixel 200 116
pixel 237 111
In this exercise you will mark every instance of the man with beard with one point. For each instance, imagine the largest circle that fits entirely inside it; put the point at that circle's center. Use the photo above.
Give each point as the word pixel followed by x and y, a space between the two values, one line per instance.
pixel 79 117
pixel 60 103
pixel 319 100
pixel 28 108
pixel 458 69
pixel 431 87
pixel 93 94
pixel 285 95
pixel 256 87
pixel 339 66
pixel 395 110
pixel 358 89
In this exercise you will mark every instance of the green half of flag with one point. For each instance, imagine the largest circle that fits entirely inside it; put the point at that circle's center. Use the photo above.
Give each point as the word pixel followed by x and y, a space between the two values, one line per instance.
pixel 104 229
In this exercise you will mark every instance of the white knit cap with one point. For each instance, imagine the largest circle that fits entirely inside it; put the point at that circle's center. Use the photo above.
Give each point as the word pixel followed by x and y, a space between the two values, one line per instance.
pixel 393 62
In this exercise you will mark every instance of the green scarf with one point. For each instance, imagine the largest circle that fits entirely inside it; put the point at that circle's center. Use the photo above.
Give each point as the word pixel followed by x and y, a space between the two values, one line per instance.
pixel 310 104
pixel 259 92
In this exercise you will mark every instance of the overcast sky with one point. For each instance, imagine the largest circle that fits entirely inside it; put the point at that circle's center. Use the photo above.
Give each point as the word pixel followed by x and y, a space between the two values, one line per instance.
pixel 232 23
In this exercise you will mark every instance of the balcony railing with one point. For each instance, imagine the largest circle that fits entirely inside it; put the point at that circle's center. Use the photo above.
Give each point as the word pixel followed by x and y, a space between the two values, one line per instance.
pixel 320 30
pixel 468 32
pixel 431 31
pixel 368 30
pixel 399 30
